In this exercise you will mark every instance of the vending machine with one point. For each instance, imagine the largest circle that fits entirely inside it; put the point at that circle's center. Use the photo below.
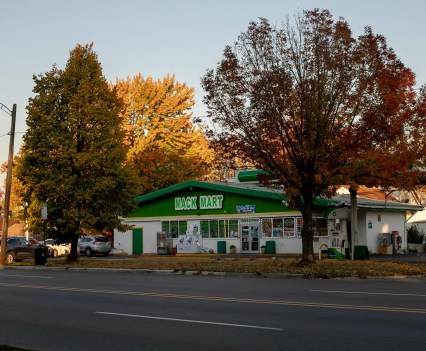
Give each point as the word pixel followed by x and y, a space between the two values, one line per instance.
pixel 338 245
pixel 385 243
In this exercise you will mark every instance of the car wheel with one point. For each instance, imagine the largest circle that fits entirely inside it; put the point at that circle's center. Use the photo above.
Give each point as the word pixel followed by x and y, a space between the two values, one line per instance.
pixel 55 253
pixel 88 252
pixel 10 257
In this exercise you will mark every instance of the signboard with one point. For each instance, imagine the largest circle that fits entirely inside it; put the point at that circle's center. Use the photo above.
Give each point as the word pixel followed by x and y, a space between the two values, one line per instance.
pixel 43 211
pixel 242 209
pixel 204 202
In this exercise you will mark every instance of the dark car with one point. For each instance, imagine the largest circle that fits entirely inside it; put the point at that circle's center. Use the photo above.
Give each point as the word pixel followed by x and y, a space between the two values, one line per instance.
pixel 18 249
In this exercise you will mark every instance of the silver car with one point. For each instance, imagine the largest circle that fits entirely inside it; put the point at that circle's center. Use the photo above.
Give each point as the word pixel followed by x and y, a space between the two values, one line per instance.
pixel 90 244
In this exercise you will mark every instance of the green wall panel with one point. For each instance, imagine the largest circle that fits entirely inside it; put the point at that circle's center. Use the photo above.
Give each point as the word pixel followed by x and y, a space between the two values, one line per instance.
pixel 165 206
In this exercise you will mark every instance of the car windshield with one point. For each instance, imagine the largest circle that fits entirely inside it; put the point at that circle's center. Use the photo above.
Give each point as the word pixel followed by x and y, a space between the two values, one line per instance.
pixel 101 239
pixel 23 241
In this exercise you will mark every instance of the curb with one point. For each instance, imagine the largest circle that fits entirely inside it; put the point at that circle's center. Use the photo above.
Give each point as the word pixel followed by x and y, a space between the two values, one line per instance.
pixel 157 271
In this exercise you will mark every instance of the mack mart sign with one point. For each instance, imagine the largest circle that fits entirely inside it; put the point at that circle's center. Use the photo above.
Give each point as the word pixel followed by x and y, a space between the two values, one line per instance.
pixel 203 202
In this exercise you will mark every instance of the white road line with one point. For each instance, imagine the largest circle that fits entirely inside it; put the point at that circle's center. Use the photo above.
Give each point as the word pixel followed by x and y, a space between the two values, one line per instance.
pixel 188 320
pixel 25 276
pixel 365 293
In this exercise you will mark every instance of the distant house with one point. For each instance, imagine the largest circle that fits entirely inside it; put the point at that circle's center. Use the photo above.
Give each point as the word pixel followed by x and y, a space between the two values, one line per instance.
pixel 418 220
pixel 248 215
pixel 366 193
pixel 15 228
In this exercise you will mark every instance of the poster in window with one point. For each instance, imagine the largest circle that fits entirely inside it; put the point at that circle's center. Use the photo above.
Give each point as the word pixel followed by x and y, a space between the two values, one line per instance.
pixel 289 226
pixel 299 221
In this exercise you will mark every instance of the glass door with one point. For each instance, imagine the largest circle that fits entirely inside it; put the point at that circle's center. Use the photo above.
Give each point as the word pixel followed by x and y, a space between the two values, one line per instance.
pixel 250 236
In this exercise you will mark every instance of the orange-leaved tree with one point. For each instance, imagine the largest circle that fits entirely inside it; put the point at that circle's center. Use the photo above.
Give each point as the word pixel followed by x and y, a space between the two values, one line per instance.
pixel 166 148
pixel 317 107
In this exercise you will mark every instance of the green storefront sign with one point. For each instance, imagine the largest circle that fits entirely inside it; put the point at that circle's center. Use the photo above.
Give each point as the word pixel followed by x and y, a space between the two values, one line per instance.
pixel 202 202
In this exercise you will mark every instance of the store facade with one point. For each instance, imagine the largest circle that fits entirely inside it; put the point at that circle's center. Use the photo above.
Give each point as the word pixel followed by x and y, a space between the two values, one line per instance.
pixel 247 218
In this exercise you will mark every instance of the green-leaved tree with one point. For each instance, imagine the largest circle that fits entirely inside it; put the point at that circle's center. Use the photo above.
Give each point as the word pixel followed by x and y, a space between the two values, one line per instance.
pixel 73 154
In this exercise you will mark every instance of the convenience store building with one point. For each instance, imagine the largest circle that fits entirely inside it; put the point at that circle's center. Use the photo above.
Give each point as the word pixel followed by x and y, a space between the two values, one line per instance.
pixel 247 216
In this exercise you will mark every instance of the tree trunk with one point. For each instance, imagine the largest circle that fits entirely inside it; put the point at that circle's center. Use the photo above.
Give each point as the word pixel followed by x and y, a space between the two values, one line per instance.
pixel 72 257
pixel 307 234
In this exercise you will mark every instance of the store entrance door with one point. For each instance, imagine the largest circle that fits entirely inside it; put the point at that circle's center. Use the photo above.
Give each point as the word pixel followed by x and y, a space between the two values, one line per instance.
pixel 250 237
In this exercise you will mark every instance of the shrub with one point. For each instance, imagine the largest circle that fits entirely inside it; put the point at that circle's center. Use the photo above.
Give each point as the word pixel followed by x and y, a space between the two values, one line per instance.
pixel 415 235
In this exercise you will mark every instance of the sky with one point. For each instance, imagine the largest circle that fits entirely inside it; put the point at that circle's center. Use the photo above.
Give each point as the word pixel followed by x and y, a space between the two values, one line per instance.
pixel 160 37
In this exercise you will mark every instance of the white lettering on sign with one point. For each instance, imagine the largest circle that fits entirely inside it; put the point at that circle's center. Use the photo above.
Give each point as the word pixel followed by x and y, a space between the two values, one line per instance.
pixel 207 202
pixel 185 203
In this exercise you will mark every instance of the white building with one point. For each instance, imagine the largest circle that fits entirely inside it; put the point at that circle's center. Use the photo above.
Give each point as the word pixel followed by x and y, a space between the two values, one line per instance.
pixel 248 216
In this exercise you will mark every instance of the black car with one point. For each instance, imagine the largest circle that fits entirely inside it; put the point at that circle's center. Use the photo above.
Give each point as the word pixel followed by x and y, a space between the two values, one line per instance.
pixel 18 248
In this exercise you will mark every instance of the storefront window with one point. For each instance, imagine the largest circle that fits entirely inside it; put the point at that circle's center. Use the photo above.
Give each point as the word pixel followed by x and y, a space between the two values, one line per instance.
pixel 267 227
pixel 182 226
pixel 205 229
pixel 282 227
pixel 214 229
pixel 174 228
pixel 320 227
pixel 277 227
pixel 299 224
pixel 289 226
pixel 233 228
pixel 222 228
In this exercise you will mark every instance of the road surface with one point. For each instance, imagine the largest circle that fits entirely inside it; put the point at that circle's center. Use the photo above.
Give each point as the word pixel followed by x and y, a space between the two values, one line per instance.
pixel 71 310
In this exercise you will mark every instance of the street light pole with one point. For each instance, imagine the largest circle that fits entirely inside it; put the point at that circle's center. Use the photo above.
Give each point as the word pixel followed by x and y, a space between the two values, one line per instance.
pixel 8 184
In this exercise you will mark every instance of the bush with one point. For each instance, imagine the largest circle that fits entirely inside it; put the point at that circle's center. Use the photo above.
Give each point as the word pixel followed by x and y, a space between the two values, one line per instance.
pixel 415 235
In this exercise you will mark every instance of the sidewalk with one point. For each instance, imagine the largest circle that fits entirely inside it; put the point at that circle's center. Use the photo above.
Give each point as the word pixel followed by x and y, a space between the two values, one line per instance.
pixel 410 257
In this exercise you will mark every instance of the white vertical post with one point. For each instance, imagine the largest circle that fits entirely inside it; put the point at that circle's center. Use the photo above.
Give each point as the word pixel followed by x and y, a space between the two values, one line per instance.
pixel 354 221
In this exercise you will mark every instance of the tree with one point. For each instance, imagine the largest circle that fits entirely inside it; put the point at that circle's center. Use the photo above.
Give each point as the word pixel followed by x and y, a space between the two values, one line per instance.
pixel 318 108
pixel 165 147
pixel 226 162
pixel 73 153
pixel 17 204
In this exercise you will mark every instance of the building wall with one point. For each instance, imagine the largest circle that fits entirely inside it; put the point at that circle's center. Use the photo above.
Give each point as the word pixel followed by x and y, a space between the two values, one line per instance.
pixel 370 225
pixel 186 206
pixel 383 222
pixel 123 240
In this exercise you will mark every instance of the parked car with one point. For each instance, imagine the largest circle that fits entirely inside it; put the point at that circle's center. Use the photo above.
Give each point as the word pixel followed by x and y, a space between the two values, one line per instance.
pixel 90 244
pixel 18 248
pixel 32 240
pixel 55 249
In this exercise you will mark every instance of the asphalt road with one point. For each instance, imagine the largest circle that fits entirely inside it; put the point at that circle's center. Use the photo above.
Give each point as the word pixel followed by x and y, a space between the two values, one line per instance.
pixel 70 310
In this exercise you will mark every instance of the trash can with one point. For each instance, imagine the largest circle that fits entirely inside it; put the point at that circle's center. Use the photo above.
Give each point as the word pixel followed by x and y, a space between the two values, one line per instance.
pixel 361 253
pixel 40 256
pixel 347 253
pixel 270 247
pixel 221 247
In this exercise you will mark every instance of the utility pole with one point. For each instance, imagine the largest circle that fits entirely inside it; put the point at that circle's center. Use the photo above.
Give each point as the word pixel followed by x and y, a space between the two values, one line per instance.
pixel 8 184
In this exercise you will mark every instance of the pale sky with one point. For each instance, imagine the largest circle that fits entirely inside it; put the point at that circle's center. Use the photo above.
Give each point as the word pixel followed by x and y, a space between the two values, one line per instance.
pixel 160 37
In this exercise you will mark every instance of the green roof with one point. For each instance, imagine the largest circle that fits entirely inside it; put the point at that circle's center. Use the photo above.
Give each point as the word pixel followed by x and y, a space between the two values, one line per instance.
pixel 194 184
pixel 266 193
